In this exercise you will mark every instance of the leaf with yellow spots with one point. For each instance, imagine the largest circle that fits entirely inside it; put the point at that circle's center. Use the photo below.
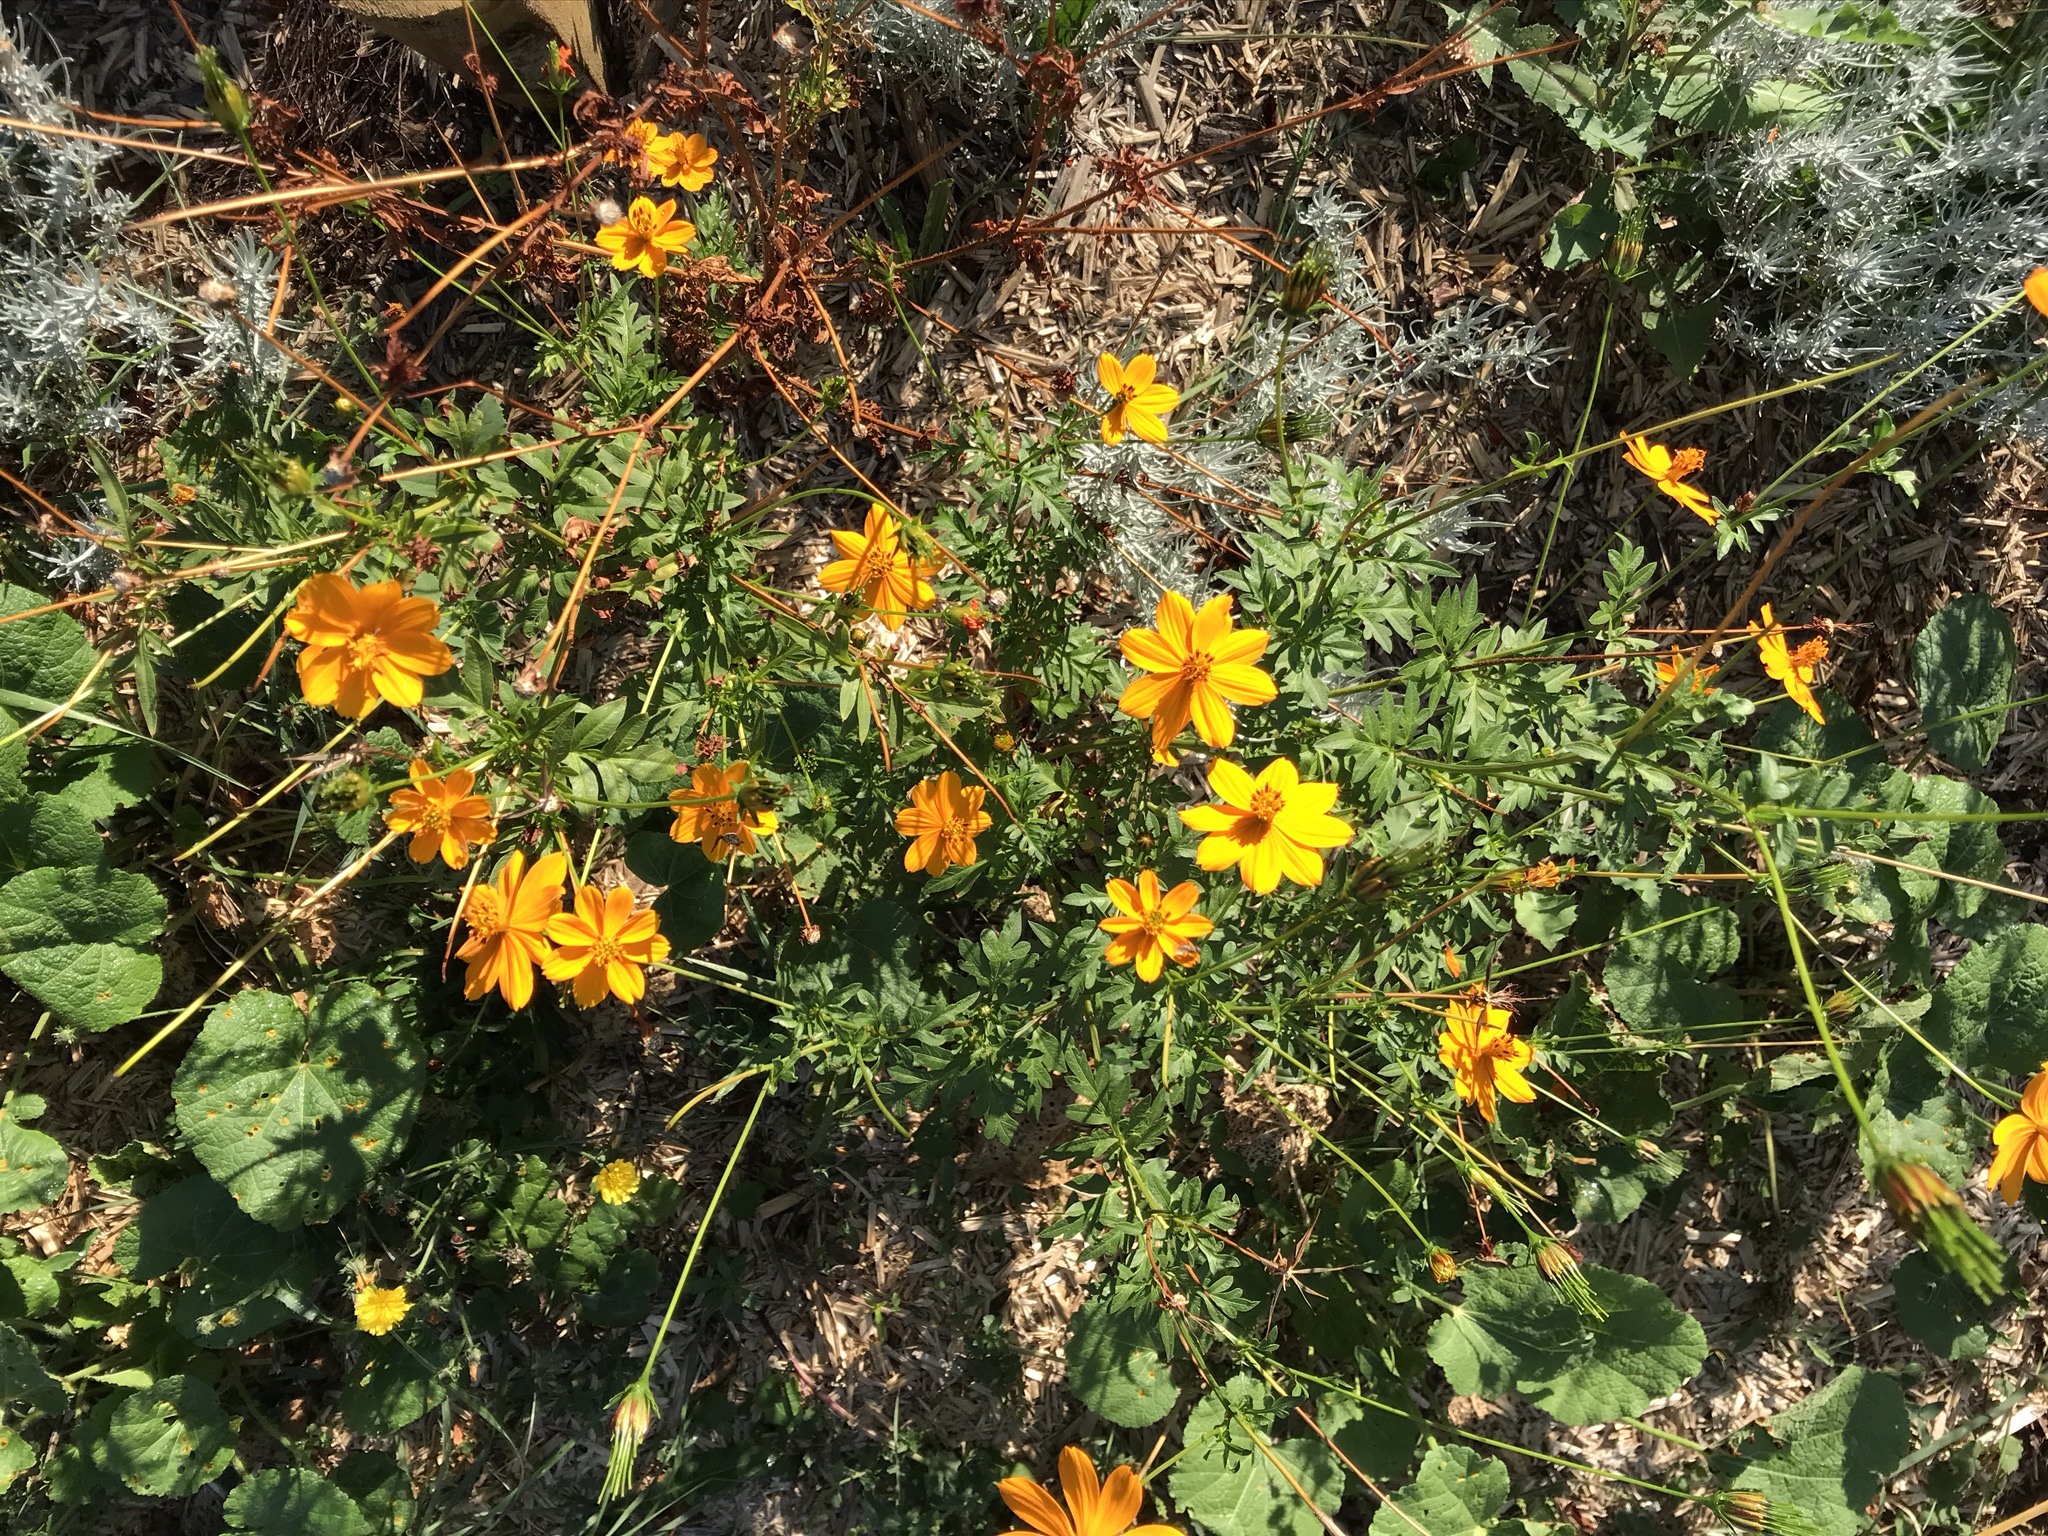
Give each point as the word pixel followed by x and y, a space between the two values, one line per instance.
pixel 294 1111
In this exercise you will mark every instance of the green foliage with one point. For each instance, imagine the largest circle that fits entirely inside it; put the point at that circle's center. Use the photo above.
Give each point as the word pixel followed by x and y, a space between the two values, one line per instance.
pixel 1458 1492
pixel 1962 666
pixel 1825 1455
pixel 1115 1367
pixel 293 1502
pixel 1237 1479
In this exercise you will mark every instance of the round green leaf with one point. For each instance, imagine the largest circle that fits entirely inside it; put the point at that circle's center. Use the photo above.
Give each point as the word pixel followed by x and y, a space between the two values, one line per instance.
pixel 73 939
pixel 1456 1493
pixel 23 1379
pixel 1657 976
pixel 167 1439
pixel 1227 1478
pixel 1826 1455
pixel 290 1501
pixel 1114 1366
pixel 33 1168
pixel 1939 1310
pixel 293 1111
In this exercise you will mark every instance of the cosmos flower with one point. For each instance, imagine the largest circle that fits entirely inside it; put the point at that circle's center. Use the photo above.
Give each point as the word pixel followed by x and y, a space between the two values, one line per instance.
pixel 442 815
pixel 1136 403
pixel 1667 672
pixel 942 821
pixel 1269 826
pixel 2022 1142
pixel 1097 1508
pixel 508 925
pixel 709 812
pixel 1793 668
pixel 1152 928
pixel 646 237
pixel 603 946
pixel 682 160
pixel 874 565
pixel 366 647
pixel 1484 1056
pixel 1196 667
pixel 1669 471
pixel 2036 289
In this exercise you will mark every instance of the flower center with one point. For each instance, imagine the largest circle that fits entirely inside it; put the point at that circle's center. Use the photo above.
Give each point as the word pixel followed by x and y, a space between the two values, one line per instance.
pixel 433 816
pixel 722 821
pixel 365 651
pixel 1267 803
pixel 1196 668
pixel 956 836
pixel 605 952
pixel 482 914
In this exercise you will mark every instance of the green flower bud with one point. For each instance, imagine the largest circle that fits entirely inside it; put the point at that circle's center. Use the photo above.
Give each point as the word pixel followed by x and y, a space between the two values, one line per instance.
pixel 342 793
pixel 1306 281
pixel 224 98
pixel 1935 1215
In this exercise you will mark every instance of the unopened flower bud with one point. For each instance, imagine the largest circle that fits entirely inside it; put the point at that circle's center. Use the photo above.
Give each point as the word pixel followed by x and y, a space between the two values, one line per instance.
pixel 1748 1510
pixel 1558 1262
pixel 224 98
pixel 345 792
pixel 631 1419
pixel 1443 1269
pixel 1935 1215
pixel 1306 282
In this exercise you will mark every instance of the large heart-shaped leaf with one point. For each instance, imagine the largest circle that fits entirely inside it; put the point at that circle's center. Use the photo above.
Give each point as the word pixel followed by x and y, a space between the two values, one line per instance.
pixel 290 1501
pixel 1825 1456
pixel 1230 1475
pixel 293 1111
pixel 1962 668
pixel 33 1168
pixel 1114 1366
pixel 73 938
pixel 167 1438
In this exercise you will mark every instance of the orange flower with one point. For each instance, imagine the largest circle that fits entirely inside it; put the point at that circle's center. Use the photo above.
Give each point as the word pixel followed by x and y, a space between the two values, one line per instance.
pixel 2022 1142
pixel 1269 826
pixel 1099 1509
pixel 646 237
pixel 1135 402
pixel 442 815
pixel 641 137
pixel 508 924
pixel 710 815
pixel 1792 668
pixel 604 946
pixel 874 564
pixel 1669 470
pixel 1197 667
pixel 942 821
pixel 1152 929
pixel 1484 1057
pixel 2036 289
pixel 364 647
pixel 682 160
pixel 1667 672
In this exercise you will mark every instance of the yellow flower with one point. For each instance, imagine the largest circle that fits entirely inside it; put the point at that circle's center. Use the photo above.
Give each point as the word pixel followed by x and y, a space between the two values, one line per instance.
pixel 1667 672
pixel 874 565
pixel 604 946
pixel 1792 668
pixel 1669 470
pixel 1269 826
pixel 646 237
pixel 2022 1142
pixel 616 1182
pixel 641 138
pixel 709 812
pixel 442 815
pixel 1098 1509
pixel 942 821
pixel 1197 666
pixel 508 924
pixel 1152 929
pixel 2036 289
pixel 379 1308
pixel 1484 1057
pixel 1135 402
pixel 682 160
pixel 364 647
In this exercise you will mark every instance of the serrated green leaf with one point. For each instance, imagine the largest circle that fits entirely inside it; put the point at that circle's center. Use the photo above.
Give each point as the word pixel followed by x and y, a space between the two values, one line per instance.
pixel 1962 666
pixel 33 1168
pixel 290 1501
pixel 1514 1332
pixel 389 1388
pixel 1659 976
pixel 1843 23
pixel 1226 1478
pixel 293 1111
pixel 47 656
pixel 1114 1366
pixel 166 1439
pixel 1378 1443
pixel 17 1455
pixel 237 1265
pixel 72 938
pixel 1826 1455
pixel 43 831
pixel 1991 1015
pixel 1458 1492
pixel 23 1379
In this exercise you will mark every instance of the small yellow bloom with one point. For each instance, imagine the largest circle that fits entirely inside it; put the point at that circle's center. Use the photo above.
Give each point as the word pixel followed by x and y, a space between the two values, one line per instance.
pixel 442 815
pixel 1136 403
pixel 1669 470
pixel 641 137
pixel 604 946
pixel 709 812
pixel 1269 826
pixel 1792 668
pixel 1196 667
pixel 508 925
pixel 682 160
pixel 2022 1142
pixel 366 647
pixel 646 237
pixel 942 821
pixel 616 1182
pixel 1097 1508
pixel 1667 672
pixel 2036 289
pixel 1152 928
pixel 379 1308
pixel 874 565
pixel 1484 1057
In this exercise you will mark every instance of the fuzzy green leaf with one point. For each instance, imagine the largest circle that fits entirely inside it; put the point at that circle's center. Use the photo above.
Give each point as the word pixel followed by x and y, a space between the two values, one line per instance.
pixel 1514 1332
pixel 1991 1014
pixel 293 1111
pixel 692 907
pixel 1963 663
pixel 1114 1366
pixel 44 831
pixel 1457 1493
pixel 1939 1310
pixel 1826 1455
pixel 238 1266
pixel 45 657
pixel 166 1439
pixel 290 1501
pixel 33 1168
pixel 1658 977
pixel 73 939
pixel 23 1379
pixel 1230 1483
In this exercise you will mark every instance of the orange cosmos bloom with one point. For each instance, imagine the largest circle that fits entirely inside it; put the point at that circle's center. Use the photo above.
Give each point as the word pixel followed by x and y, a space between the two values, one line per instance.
pixel 1667 672
pixel 1269 826
pixel 646 237
pixel 1669 470
pixel 508 926
pixel 680 160
pixel 604 946
pixel 1793 668
pixel 710 815
pixel 942 821
pixel 1197 667
pixel 2036 289
pixel 1098 1508
pixel 2022 1142
pixel 1151 928
pixel 442 815
pixel 364 647
pixel 1484 1057
pixel 1136 403
pixel 641 138
pixel 874 564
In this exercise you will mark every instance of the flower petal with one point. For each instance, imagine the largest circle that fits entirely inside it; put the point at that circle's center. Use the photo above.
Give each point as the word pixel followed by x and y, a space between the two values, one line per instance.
pixel 1230 783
